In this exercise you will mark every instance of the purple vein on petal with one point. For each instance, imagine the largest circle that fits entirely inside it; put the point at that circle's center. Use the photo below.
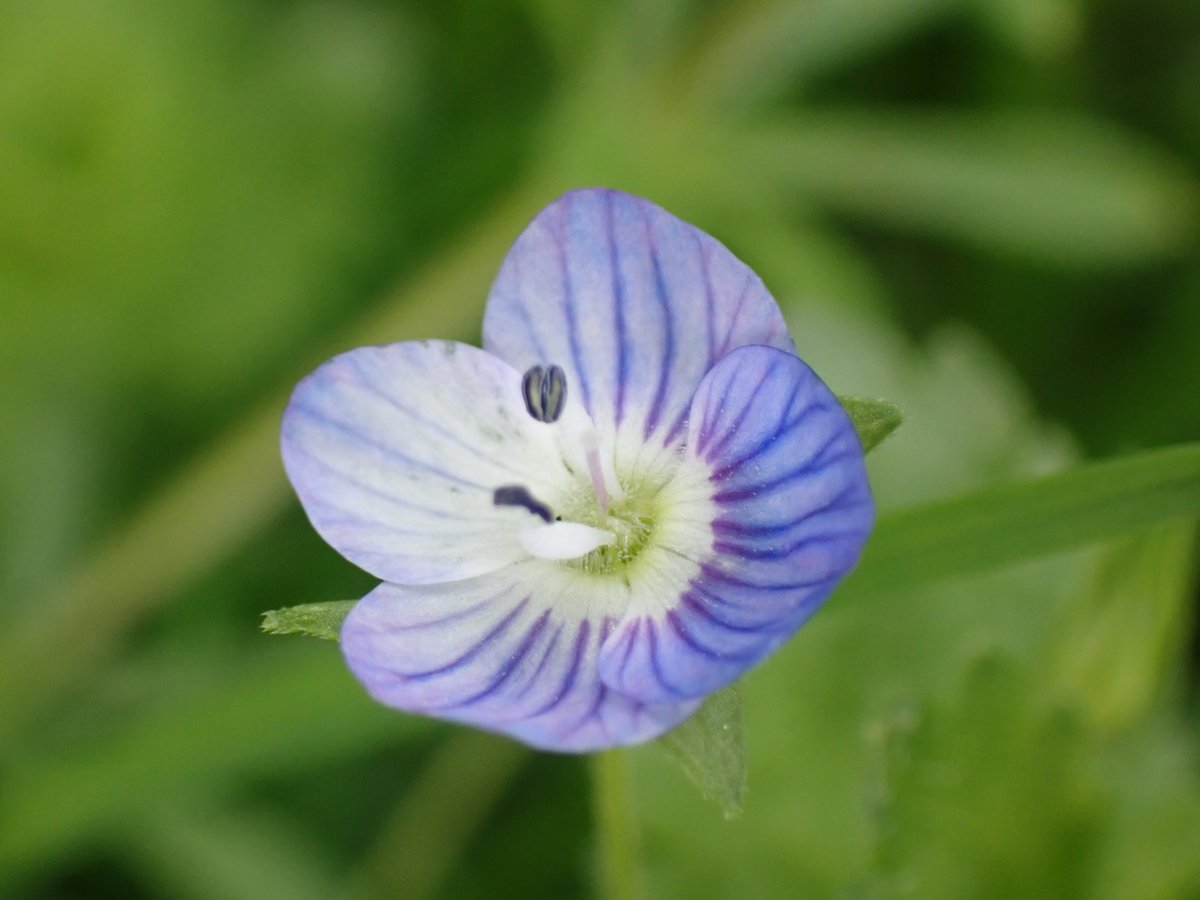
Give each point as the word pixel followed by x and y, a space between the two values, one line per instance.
pixel 680 424
pixel 577 650
pixel 663 295
pixel 618 292
pixel 511 664
pixel 784 426
pixel 747 492
pixel 681 631
pixel 455 616
pixel 374 491
pixel 597 703
pixel 334 521
pixel 522 311
pixel 737 312
pixel 630 639
pixel 710 301
pixel 703 610
pixel 391 452
pixel 547 655
pixel 760 553
pixel 561 241
pixel 601 691
pixel 492 459
pixel 712 573
pixel 474 651
pixel 823 459
pixel 731 430
pixel 737 529
pixel 655 665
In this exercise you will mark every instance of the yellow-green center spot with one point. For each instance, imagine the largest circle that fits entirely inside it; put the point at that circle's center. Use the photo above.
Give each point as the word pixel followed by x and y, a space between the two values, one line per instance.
pixel 631 521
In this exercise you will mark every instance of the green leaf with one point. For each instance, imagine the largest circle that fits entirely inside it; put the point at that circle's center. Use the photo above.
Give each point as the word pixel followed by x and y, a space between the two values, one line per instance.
pixel 710 749
pixel 319 620
pixel 1066 190
pixel 991 783
pixel 874 420
pixel 1123 632
pixel 291 710
pixel 1040 29
pixel 755 52
pixel 1028 519
pixel 202 849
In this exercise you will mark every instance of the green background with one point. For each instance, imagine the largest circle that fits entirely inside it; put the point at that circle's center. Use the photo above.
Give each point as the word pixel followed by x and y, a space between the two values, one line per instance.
pixel 984 210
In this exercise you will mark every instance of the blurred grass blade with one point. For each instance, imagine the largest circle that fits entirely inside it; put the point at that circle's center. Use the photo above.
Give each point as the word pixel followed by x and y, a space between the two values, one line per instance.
pixel 1127 627
pixel 1040 29
pixel 755 51
pixel 215 503
pixel 810 266
pixel 294 710
pixel 440 813
pixel 319 620
pixel 1070 191
pixel 1013 522
pixel 874 420
pixel 193 851
pixel 709 747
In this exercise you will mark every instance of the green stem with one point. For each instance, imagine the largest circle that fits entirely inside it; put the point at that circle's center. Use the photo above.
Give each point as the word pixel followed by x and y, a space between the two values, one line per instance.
pixel 616 827
pixel 442 811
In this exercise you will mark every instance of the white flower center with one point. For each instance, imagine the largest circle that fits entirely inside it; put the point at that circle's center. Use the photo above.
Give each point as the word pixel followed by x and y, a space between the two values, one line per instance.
pixel 600 523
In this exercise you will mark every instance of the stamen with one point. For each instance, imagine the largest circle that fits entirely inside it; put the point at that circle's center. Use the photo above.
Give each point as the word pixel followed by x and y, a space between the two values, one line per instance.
pixel 545 392
pixel 516 495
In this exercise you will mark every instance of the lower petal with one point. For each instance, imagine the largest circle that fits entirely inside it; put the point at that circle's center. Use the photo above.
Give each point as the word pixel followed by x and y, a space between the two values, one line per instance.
pixel 508 652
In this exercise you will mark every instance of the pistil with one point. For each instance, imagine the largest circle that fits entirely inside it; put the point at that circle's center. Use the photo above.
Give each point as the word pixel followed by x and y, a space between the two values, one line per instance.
pixel 591 451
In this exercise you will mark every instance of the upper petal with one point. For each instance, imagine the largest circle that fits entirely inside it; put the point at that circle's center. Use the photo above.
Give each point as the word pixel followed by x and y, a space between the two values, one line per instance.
pixel 790 512
pixel 395 453
pixel 514 651
pixel 634 304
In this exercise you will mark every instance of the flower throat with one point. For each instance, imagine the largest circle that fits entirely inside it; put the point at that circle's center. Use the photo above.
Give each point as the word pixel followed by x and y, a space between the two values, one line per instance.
pixel 601 527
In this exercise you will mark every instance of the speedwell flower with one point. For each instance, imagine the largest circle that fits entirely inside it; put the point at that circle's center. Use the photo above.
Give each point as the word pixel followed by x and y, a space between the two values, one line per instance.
pixel 632 494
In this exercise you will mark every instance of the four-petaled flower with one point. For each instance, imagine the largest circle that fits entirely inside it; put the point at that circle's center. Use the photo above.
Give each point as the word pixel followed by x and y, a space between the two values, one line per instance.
pixel 634 492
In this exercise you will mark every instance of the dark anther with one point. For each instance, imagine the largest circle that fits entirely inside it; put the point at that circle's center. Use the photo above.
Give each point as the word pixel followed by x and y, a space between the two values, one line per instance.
pixel 515 495
pixel 545 392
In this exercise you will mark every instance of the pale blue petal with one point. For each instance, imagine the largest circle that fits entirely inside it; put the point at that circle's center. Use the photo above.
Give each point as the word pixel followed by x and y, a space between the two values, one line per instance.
pixel 395 453
pixel 791 511
pixel 635 305
pixel 499 652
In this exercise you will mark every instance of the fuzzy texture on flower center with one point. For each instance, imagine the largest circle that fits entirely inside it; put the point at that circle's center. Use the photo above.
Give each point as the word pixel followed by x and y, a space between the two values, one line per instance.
pixel 631 520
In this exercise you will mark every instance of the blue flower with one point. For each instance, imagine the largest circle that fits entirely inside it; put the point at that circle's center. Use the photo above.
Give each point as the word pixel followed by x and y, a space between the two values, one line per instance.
pixel 632 494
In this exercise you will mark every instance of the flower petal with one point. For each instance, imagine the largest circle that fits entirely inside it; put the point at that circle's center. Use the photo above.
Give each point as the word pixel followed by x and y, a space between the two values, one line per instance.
pixel 791 511
pixel 508 652
pixel 396 453
pixel 634 304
